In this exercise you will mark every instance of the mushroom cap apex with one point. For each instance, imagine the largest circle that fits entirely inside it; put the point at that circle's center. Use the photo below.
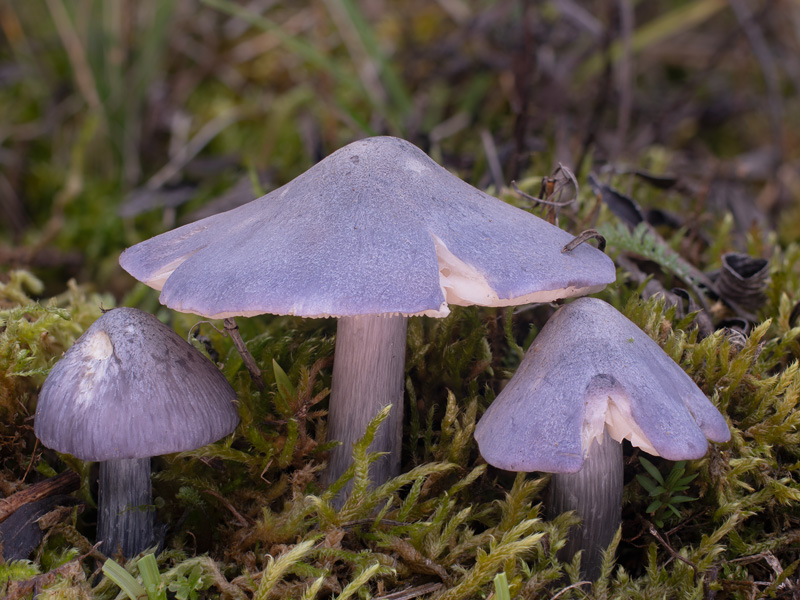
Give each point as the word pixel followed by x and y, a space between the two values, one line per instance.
pixel 591 369
pixel 377 227
pixel 130 387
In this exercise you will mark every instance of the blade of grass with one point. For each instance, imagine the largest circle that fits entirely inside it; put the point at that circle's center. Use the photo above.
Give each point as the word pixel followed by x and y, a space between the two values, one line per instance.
pixel 76 53
pixel 675 21
pixel 117 573
pixel 397 92
pixel 501 591
pixel 148 569
pixel 294 44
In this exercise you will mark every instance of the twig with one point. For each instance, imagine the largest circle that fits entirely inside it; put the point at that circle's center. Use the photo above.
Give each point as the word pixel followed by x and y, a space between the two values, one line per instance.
pixel 243 521
pixel 540 200
pixel 584 236
pixel 413 592
pixel 651 528
pixel 490 149
pixel 232 330
pixel 66 482
pixel 358 522
pixel 76 54
pixel 30 462
pixel 186 153
pixel 553 186
pixel 571 587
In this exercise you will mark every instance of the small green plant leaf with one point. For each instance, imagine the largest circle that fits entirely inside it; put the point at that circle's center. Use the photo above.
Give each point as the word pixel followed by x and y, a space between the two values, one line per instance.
pixel 648 484
pixel 651 468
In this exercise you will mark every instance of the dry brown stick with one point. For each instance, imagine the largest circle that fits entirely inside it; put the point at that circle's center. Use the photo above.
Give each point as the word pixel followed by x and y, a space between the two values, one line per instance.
pixel 233 330
pixel 243 521
pixel 66 482
pixel 413 592
pixel 76 54
pixel 584 236
pixel 571 587
pixel 30 462
pixel 557 204
pixel 490 149
pixel 651 528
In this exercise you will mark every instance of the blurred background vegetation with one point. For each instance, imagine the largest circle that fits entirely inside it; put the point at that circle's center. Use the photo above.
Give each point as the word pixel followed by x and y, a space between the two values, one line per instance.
pixel 121 119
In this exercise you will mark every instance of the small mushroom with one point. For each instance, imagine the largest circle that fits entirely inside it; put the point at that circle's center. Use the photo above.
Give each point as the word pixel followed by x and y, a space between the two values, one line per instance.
pixel 590 379
pixel 128 389
pixel 373 234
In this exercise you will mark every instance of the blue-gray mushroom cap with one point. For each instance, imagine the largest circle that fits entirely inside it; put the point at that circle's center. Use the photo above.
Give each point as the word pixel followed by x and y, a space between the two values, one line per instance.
pixel 130 387
pixel 376 228
pixel 591 369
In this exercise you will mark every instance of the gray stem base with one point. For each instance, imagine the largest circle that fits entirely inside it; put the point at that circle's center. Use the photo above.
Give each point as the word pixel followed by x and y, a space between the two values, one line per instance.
pixel 368 373
pixel 125 519
pixel 595 494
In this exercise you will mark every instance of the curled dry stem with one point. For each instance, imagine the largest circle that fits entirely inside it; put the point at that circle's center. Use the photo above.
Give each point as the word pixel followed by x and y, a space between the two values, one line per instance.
pixel 583 237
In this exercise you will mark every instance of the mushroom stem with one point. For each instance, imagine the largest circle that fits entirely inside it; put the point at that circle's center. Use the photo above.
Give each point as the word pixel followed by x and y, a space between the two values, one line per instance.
pixel 124 518
pixel 595 494
pixel 368 371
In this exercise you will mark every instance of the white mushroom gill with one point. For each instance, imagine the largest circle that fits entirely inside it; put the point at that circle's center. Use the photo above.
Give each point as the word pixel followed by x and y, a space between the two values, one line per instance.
pixel 463 285
pixel 608 407
pixel 97 349
pixel 160 277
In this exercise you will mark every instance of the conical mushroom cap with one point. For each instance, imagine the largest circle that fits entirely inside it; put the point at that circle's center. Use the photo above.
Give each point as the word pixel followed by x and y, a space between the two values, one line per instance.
pixel 591 368
pixel 377 227
pixel 130 387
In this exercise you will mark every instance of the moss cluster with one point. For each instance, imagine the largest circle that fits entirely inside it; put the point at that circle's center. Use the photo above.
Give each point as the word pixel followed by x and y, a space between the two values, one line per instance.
pixel 247 518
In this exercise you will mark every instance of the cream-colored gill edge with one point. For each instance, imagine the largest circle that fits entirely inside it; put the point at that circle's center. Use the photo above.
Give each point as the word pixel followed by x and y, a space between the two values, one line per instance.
pixel 604 412
pixel 463 285
pixel 159 278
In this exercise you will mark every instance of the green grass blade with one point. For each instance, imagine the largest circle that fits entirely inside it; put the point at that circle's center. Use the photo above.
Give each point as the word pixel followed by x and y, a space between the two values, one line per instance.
pixel 395 88
pixel 677 20
pixel 117 573
pixel 294 44
pixel 148 569
pixel 501 591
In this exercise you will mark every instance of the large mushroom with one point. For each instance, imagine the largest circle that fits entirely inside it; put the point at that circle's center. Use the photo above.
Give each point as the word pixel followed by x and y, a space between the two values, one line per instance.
pixel 128 389
pixel 373 234
pixel 590 379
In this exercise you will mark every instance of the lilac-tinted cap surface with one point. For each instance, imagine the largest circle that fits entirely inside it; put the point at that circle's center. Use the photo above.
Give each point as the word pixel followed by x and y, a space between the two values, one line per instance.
pixel 130 387
pixel 377 227
pixel 586 354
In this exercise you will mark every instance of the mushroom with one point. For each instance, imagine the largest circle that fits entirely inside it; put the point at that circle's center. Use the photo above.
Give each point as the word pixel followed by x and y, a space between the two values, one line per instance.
pixel 128 389
pixel 372 234
pixel 590 379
